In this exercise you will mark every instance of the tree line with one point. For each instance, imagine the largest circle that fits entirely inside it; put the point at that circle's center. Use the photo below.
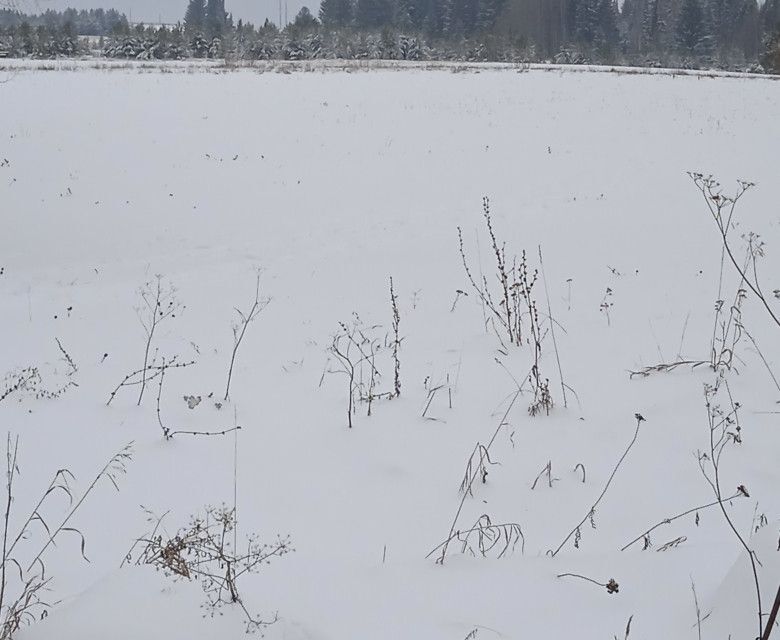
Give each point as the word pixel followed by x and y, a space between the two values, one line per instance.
pixel 733 34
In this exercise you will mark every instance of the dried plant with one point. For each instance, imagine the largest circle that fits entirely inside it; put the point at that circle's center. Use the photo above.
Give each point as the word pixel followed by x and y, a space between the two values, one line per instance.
pixel 606 305
pixel 20 380
pixel 158 302
pixel 505 306
pixel 590 514
pixel 645 535
pixel 154 369
pixel 340 348
pixel 240 327
pixel 610 585
pixel 722 208
pixel 28 382
pixel 728 328
pixel 473 472
pixel 725 429
pixel 72 368
pixel 433 389
pixel 514 308
pixel 396 344
pixel 203 551
pixel 22 589
pixel 546 471
pixel 564 386
pixel 458 294
pixel 355 349
pixel 485 538
pixel 476 466
pixel 665 367
pixel 672 543
pixel 169 433
pixel 627 632
pixel 770 623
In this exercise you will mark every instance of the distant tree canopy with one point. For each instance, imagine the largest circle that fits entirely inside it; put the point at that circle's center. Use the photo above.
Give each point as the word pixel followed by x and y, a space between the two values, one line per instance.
pixel 705 33
pixel 87 22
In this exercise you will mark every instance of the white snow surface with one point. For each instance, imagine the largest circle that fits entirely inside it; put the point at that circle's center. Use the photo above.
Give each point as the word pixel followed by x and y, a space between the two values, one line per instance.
pixel 332 183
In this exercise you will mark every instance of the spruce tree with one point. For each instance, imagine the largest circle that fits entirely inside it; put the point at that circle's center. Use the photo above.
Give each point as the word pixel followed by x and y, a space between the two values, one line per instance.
pixel 215 18
pixel 608 24
pixel 373 14
pixel 336 13
pixel 193 18
pixel 304 20
pixel 690 25
pixel 587 21
pixel 650 25
pixel 771 57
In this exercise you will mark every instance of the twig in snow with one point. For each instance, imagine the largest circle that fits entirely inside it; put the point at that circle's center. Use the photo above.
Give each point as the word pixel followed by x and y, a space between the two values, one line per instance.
pixel 611 586
pixel 591 511
pixel 240 327
pixel 645 535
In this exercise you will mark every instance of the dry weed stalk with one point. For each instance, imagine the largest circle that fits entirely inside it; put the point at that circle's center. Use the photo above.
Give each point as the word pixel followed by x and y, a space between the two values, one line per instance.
pixel 725 429
pixel 396 342
pixel 576 532
pixel 514 308
pixel 722 208
pixel 28 382
pixel 466 487
pixel 240 327
pixel 21 590
pixel 72 368
pixel 645 535
pixel 203 551
pixel 546 471
pixel 158 303
pixel 355 349
pixel 152 371
pixel 564 386
pixel 476 466
pixel 484 537
pixel 770 623
pixel 610 585
pixel 169 433
pixel 505 307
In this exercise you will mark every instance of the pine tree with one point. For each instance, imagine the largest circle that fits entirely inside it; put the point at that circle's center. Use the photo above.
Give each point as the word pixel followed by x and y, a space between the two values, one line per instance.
pixel 194 17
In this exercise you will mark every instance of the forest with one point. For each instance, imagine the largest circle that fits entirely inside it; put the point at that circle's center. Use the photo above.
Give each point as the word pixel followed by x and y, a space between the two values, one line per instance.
pixel 738 35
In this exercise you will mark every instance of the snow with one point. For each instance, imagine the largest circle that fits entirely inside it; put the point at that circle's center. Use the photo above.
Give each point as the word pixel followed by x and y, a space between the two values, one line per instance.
pixel 331 183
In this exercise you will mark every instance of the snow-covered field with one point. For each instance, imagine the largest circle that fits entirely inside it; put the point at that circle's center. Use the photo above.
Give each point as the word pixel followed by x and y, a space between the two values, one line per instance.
pixel 331 184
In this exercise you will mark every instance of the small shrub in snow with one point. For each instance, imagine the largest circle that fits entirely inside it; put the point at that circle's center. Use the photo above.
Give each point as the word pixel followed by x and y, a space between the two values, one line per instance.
pixel 205 551
pixel 356 352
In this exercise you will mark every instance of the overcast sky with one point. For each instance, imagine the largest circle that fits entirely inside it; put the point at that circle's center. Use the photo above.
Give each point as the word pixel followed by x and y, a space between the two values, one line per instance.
pixel 173 10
